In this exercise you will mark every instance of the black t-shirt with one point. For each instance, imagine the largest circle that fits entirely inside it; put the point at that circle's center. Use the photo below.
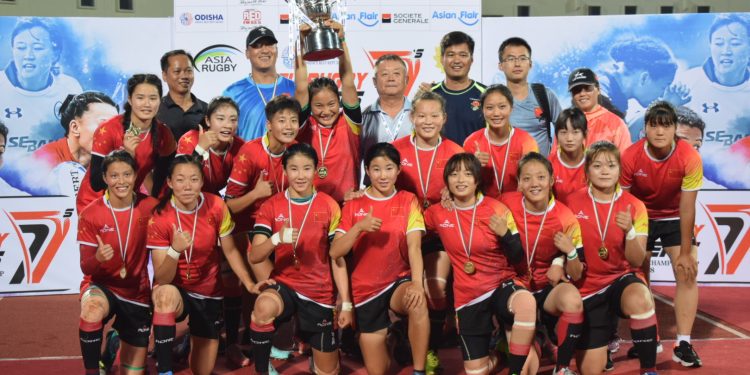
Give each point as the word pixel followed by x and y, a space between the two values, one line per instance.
pixel 179 121
pixel 464 110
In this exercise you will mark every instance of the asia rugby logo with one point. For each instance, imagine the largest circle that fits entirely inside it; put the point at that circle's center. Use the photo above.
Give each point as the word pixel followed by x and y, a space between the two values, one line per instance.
pixel 217 58
pixel 413 60
pixel 40 235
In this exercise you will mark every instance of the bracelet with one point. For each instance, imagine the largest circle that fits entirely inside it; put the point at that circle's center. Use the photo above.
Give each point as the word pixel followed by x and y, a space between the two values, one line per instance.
pixel 573 254
pixel 202 152
pixel 347 306
pixel 559 261
pixel 174 254
pixel 276 239
pixel 631 234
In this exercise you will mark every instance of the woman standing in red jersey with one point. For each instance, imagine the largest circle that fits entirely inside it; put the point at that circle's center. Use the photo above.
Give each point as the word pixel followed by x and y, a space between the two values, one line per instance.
pixel 331 130
pixel 480 237
pixel 182 235
pixel 424 155
pixel 297 227
pixel 549 233
pixel 383 229
pixel 568 158
pixel 499 146
pixel 138 132
pixel 112 238
pixel 614 227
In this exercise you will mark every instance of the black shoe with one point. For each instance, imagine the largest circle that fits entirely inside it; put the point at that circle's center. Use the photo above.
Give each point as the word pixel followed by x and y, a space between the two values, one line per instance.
pixel 109 354
pixel 686 356
pixel 610 363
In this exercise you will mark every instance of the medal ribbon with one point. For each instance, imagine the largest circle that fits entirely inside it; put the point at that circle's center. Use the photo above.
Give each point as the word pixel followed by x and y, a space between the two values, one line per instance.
pixel 467 250
pixel 324 151
pixel 392 134
pixel 425 185
pixel 530 256
pixel 499 181
pixel 304 219
pixel 596 214
pixel 123 250
pixel 189 254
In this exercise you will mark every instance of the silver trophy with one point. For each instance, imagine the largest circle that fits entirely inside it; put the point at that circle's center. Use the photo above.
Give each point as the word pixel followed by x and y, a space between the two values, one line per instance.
pixel 322 43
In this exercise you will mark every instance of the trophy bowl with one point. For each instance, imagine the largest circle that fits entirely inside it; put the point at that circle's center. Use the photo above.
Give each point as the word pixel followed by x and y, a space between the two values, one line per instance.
pixel 322 43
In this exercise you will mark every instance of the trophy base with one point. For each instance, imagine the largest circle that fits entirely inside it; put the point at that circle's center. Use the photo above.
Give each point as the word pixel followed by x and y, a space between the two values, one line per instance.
pixel 322 44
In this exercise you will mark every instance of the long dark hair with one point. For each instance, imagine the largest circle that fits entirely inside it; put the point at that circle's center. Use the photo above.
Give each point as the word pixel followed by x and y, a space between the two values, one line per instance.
pixel 133 82
pixel 178 160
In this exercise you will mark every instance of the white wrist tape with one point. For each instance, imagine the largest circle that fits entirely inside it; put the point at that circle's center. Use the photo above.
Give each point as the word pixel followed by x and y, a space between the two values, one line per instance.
pixel 202 152
pixel 559 261
pixel 174 254
pixel 276 239
pixel 631 234
pixel 347 306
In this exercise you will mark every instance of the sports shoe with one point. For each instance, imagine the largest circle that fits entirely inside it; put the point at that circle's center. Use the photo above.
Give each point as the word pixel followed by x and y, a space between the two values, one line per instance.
pixel 686 356
pixel 633 352
pixel 564 371
pixel 432 364
pixel 109 354
pixel 277 353
pixel 650 373
pixel 610 365
pixel 271 370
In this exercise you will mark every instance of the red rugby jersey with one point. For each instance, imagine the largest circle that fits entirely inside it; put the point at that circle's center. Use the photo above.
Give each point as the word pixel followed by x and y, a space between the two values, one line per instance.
pixel 521 143
pixel 96 219
pixel 109 137
pixel 559 219
pixel 217 168
pixel 254 161
pixel 341 158
pixel 568 178
pixel 492 267
pixel 380 258
pixel 601 273
pixel 313 279
pixel 54 153
pixel 409 180
pixel 213 222
pixel 658 183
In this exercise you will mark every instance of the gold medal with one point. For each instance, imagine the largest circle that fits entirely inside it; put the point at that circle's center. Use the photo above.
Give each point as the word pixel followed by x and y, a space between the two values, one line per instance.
pixel 134 130
pixel 322 172
pixel 603 253
pixel 296 263
pixel 469 268
pixel 123 272
pixel 188 273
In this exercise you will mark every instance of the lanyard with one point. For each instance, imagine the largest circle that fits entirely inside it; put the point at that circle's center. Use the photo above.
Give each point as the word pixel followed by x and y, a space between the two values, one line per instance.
pixel 530 257
pixel 385 120
pixel 272 170
pixel 263 98
pixel 324 151
pixel 123 250
pixel 304 220
pixel 424 185
pixel 189 254
pixel 596 215
pixel 499 181
pixel 467 250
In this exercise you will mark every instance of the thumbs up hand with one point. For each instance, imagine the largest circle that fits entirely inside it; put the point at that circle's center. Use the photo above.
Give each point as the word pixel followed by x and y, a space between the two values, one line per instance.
pixel 104 252
pixel 370 223
pixel 483 157
pixel 624 219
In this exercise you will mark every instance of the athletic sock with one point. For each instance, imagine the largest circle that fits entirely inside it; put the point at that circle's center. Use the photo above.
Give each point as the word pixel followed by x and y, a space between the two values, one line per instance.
pixel 643 331
pixel 232 312
pixel 569 329
pixel 437 321
pixel 685 338
pixel 90 335
pixel 260 337
pixel 517 358
pixel 164 333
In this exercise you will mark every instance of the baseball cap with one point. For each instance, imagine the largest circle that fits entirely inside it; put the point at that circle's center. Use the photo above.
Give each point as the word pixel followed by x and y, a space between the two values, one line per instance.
pixel 582 76
pixel 259 33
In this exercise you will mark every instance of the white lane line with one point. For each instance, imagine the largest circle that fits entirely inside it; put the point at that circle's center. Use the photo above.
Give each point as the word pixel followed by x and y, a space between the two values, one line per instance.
pixel 705 318
pixel 57 358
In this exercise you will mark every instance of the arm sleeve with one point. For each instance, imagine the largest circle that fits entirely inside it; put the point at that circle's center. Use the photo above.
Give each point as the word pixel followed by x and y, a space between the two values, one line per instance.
pixel 353 116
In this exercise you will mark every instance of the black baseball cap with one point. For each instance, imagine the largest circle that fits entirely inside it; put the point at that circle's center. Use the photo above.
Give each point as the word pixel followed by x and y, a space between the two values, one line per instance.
pixel 582 76
pixel 259 33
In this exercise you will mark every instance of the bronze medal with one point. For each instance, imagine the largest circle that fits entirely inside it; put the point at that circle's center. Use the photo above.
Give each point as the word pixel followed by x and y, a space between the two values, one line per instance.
pixel 188 272
pixel 323 172
pixel 603 253
pixel 123 272
pixel 296 263
pixel 469 268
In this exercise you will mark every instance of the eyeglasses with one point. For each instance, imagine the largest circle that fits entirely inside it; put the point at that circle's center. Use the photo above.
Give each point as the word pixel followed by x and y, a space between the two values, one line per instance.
pixel 514 59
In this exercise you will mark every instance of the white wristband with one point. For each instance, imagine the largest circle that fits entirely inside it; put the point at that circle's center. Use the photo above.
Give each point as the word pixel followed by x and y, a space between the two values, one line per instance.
pixel 201 151
pixel 276 239
pixel 347 306
pixel 573 254
pixel 631 234
pixel 559 261
pixel 174 254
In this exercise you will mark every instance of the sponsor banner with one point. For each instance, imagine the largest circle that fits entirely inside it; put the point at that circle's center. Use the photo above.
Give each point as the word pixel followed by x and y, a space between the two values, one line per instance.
pixel 247 17
pixel 200 19
pixel 449 18
pixel 682 58
pixel 722 227
pixel 38 249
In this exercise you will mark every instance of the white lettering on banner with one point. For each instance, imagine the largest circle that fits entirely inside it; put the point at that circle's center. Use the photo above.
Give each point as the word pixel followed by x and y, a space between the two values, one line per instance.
pixel 38 249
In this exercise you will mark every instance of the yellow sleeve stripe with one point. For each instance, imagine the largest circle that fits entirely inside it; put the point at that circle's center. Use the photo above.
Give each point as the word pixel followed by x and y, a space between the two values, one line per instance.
pixel 335 220
pixel 416 220
pixel 227 224
pixel 693 179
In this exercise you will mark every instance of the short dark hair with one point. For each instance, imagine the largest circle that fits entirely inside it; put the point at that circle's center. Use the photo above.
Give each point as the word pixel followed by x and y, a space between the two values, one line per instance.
pixel 4 131
pixel 469 162
pixel 499 89
pixel 118 156
pixel 534 156
pixel 49 24
pixel 216 103
pixel 281 103
pixel 75 106
pixel 454 38
pixel 177 52
pixel 661 112
pixel 600 147
pixel 688 117
pixel 303 149
pixel 577 120
pixel 515 42
pixel 385 150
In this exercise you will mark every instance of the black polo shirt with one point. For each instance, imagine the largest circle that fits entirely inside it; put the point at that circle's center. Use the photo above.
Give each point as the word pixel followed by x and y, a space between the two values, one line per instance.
pixel 179 121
